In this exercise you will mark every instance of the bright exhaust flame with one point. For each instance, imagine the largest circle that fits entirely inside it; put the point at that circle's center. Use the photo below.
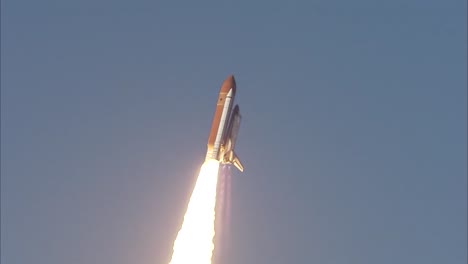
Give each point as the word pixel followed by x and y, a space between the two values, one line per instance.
pixel 194 242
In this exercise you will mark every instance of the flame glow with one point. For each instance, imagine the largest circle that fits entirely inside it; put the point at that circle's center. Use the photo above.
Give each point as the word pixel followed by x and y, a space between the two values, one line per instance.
pixel 194 242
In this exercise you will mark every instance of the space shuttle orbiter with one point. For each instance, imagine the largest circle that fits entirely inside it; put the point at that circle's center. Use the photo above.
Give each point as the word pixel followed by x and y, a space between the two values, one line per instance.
pixel 225 126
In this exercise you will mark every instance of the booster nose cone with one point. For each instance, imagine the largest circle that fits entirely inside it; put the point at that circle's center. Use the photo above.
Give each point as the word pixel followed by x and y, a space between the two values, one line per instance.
pixel 228 84
pixel 230 79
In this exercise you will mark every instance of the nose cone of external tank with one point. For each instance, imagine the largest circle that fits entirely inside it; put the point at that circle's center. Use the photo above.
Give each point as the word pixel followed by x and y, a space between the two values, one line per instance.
pixel 229 83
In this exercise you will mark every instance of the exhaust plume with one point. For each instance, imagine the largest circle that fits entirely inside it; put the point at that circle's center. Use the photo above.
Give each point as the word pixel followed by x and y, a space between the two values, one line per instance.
pixel 223 209
pixel 194 242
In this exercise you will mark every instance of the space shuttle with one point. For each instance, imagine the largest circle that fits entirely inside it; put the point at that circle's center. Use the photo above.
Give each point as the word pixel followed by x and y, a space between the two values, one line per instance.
pixel 225 126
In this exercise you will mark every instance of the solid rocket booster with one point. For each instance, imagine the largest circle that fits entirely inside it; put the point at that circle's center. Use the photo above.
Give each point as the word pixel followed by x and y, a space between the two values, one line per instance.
pixel 225 126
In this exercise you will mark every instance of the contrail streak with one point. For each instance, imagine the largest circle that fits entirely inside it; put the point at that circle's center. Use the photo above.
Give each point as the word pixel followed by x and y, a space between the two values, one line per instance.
pixel 223 207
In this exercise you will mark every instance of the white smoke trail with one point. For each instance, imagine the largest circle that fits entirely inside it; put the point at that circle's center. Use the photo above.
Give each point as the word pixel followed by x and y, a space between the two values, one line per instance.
pixel 194 242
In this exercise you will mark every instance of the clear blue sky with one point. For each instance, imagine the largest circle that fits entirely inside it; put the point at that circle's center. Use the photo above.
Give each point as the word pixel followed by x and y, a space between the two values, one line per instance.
pixel 354 128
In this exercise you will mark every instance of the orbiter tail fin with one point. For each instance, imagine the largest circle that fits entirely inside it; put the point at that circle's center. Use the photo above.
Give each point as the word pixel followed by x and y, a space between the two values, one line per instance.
pixel 234 160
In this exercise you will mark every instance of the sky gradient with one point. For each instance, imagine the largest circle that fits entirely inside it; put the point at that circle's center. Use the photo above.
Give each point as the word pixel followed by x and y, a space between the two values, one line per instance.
pixel 353 136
